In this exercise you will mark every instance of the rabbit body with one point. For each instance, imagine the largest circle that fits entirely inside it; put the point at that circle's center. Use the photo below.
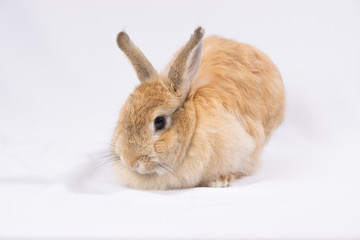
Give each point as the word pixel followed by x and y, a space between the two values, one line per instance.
pixel 217 126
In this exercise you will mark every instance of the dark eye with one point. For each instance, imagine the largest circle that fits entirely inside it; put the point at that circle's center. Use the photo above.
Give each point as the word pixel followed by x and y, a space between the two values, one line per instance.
pixel 159 122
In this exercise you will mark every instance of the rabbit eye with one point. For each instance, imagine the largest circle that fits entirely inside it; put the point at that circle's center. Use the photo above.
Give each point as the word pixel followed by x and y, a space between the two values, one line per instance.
pixel 159 122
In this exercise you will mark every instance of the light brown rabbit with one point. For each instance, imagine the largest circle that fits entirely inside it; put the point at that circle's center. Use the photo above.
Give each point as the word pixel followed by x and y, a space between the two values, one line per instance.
pixel 203 121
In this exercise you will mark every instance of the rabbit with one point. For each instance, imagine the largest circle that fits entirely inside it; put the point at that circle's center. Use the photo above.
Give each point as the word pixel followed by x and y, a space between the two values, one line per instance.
pixel 203 121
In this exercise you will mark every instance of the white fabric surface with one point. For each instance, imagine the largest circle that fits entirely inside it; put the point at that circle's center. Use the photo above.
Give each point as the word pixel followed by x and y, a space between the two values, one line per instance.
pixel 63 81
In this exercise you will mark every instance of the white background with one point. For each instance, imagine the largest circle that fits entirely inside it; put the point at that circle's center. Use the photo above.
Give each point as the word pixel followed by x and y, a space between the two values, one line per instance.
pixel 63 81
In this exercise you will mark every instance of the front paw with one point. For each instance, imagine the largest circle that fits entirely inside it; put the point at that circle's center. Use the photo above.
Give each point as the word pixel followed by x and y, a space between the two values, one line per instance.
pixel 222 181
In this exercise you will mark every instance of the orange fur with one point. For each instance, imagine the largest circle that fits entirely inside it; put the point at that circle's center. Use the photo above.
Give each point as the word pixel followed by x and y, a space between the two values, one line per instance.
pixel 217 127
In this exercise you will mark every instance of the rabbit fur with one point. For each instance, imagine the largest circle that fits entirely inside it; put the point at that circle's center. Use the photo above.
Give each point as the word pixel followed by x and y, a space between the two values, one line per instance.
pixel 220 99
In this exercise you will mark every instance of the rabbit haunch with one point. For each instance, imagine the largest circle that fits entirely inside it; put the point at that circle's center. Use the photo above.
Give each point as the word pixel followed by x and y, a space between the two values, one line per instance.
pixel 220 101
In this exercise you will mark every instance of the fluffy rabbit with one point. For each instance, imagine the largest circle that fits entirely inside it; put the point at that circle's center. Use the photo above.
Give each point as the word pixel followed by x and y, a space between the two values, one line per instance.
pixel 203 121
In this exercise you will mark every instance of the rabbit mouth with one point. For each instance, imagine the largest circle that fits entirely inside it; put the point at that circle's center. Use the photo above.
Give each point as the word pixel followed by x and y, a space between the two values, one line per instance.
pixel 152 165
pixel 155 167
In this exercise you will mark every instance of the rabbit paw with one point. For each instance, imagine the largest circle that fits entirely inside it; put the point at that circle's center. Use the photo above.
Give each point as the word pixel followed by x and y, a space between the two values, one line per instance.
pixel 223 181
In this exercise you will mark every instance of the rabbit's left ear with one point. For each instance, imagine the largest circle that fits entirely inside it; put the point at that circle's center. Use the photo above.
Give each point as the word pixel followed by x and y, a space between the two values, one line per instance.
pixel 186 65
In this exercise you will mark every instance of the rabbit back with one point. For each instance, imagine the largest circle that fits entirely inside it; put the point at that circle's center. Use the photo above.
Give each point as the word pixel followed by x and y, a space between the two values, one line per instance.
pixel 244 81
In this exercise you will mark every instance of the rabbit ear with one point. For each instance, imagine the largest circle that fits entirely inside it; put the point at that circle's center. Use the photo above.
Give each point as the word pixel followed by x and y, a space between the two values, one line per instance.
pixel 144 69
pixel 186 65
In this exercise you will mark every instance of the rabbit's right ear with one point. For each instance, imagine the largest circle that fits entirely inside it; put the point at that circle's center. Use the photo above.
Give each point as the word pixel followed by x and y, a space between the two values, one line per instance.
pixel 144 69
pixel 184 68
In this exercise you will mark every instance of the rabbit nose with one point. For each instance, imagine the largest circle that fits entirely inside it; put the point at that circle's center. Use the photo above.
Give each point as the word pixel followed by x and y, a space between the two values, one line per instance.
pixel 137 166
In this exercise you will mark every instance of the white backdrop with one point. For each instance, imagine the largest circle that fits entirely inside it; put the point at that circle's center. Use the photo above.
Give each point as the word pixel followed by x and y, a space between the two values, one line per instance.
pixel 63 81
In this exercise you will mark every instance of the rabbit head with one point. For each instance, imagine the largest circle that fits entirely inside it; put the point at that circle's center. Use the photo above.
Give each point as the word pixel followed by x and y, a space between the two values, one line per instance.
pixel 155 125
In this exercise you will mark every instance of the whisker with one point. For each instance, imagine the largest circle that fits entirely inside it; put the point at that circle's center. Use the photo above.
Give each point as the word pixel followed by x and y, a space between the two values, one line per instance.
pixel 108 157
pixel 165 168
pixel 108 144
pixel 168 166
pixel 98 166
pixel 106 163
pixel 105 158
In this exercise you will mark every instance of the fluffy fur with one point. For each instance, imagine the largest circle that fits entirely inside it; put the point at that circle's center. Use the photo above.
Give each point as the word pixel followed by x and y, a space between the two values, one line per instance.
pixel 221 100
